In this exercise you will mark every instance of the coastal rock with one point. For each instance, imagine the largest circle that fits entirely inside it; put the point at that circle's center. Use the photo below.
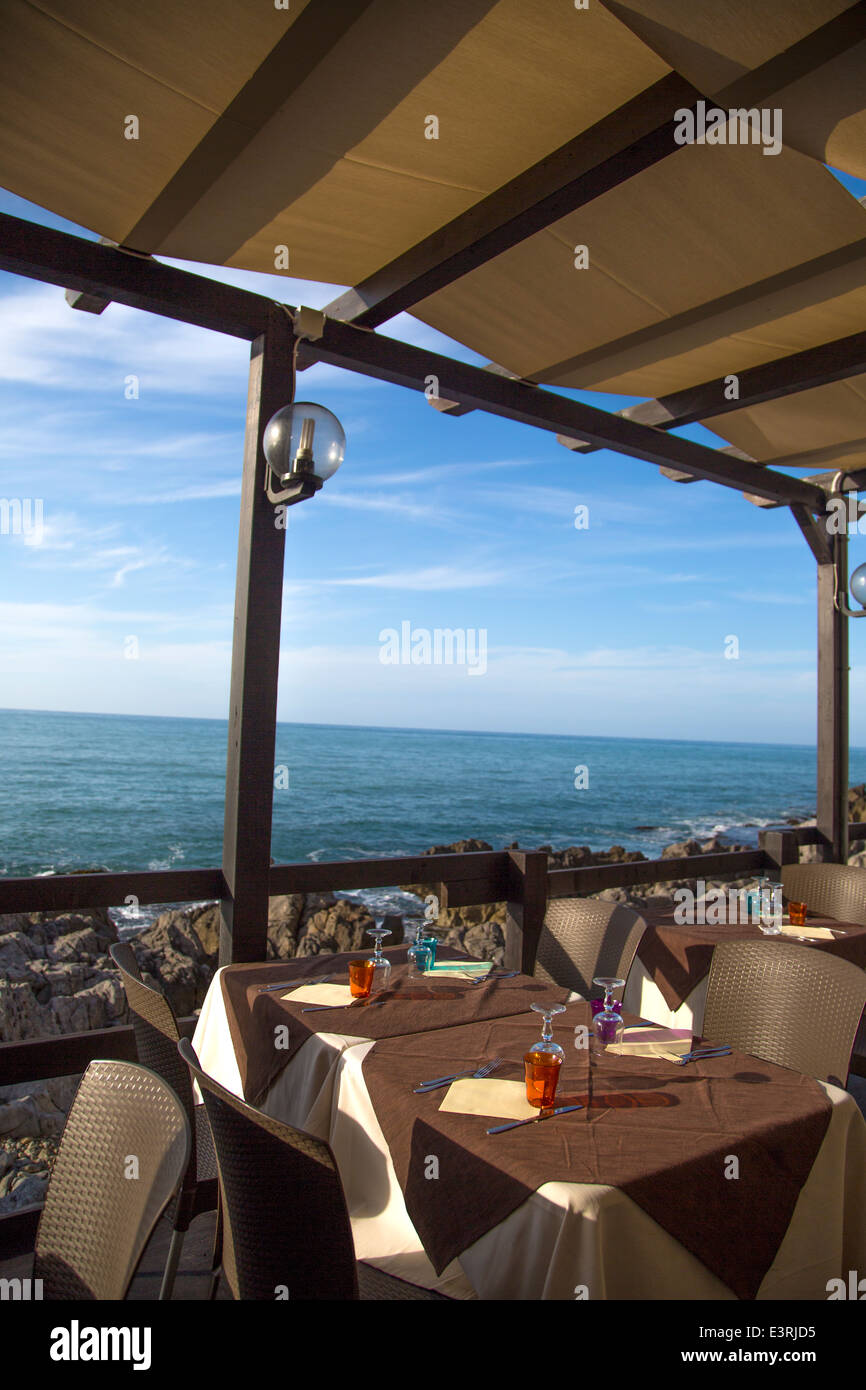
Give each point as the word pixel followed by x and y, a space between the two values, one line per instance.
pixel 682 849
pixel 338 926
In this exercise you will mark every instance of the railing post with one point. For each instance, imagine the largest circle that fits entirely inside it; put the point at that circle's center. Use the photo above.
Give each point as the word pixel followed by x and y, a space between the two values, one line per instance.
pixel 780 847
pixel 832 809
pixel 255 663
pixel 527 904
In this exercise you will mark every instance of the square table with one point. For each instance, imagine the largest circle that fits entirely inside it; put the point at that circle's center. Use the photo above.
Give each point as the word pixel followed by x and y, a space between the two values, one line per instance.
pixel 566 1235
pixel 667 982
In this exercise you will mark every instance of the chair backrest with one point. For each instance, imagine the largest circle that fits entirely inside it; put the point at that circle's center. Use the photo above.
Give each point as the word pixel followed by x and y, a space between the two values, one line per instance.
pixel 833 890
pixel 121 1159
pixel 155 1025
pixel 285 1223
pixel 583 938
pixel 789 1004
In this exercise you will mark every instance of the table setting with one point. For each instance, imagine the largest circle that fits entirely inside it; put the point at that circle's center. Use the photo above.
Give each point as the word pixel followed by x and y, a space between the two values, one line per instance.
pixel 540 1182
pixel 669 976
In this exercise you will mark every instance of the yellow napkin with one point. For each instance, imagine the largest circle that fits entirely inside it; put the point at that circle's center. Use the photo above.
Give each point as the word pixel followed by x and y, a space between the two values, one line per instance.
pixel 815 933
pixel 676 1047
pixel 466 969
pixel 320 994
pixel 499 1099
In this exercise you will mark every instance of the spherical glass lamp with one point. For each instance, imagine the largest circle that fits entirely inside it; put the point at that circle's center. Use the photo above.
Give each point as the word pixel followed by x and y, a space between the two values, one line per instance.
pixel 304 445
pixel 858 585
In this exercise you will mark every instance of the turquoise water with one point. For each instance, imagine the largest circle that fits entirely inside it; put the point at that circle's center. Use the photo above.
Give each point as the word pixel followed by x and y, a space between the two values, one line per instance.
pixel 126 792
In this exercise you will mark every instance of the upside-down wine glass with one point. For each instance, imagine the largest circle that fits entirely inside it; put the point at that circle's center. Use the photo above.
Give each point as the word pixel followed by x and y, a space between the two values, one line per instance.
pixel 418 954
pixel 543 1060
pixel 381 964
pixel 607 1025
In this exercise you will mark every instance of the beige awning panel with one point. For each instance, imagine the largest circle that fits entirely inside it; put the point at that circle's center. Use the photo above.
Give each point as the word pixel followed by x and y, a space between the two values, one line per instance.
pixel 716 259
pixel 715 44
pixel 819 429
pixel 71 71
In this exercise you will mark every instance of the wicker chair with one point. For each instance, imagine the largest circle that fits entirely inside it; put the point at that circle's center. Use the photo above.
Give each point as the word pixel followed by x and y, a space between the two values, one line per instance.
pixel 285 1222
pixel 156 1037
pixel 832 890
pixel 98 1214
pixel 582 938
pixel 788 1004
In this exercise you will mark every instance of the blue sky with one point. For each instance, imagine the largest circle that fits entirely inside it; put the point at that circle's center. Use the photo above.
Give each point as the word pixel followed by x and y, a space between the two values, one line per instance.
pixel 619 629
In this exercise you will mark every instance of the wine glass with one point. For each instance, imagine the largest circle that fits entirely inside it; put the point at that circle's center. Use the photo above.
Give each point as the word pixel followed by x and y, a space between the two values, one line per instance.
pixel 608 1026
pixel 543 1060
pixel 381 964
pixel 771 909
pixel 418 954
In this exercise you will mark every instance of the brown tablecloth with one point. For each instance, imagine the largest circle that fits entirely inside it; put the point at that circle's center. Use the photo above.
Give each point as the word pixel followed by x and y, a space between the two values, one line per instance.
pixel 409 1006
pixel 662 1134
pixel 678 957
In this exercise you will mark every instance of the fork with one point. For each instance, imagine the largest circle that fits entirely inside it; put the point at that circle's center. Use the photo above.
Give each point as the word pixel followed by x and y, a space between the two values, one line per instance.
pixel 495 975
pixel 483 1071
pixel 702 1054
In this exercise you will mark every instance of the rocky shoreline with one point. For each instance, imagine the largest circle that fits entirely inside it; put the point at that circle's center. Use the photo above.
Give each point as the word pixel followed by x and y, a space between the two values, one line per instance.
pixel 56 975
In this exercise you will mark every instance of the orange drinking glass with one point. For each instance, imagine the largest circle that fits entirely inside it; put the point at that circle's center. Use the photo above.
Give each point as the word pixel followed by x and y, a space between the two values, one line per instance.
pixel 542 1074
pixel 797 914
pixel 361 978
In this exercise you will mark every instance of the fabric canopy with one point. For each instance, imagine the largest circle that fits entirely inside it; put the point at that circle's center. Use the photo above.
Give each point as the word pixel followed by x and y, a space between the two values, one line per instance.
pixel 327 139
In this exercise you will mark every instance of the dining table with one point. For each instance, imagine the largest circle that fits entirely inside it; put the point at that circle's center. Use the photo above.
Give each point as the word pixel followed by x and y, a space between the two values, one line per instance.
pixel 668 978
pixel 721 1178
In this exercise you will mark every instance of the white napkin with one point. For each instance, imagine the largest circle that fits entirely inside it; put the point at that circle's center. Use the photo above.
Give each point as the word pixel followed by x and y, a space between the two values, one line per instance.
pixel 320 994
pixel 499 1099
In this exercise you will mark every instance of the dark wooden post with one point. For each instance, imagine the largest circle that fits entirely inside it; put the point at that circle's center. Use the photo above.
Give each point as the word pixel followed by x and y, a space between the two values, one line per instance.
pixel 780 847
pixel 255 663
pixel 527 904
pixel 833 706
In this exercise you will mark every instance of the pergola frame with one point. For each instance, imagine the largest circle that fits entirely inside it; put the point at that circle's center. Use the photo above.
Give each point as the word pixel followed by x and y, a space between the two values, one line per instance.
pixel 102 273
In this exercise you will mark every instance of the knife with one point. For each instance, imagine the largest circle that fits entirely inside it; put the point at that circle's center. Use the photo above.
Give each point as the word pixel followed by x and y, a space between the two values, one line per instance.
pixel 534 1119
pixel 297 983
pixel 353 1004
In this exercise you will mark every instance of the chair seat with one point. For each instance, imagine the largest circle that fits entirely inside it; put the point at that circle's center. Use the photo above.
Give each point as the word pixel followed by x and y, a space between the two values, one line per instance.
pixel 375 1285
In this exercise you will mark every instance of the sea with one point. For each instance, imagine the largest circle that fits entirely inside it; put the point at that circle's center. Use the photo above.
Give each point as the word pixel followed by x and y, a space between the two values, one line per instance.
pixel 83 791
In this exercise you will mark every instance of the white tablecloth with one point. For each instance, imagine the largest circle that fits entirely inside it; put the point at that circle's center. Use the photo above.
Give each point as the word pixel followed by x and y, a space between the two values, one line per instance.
pixel 567 1236
pixel 643 997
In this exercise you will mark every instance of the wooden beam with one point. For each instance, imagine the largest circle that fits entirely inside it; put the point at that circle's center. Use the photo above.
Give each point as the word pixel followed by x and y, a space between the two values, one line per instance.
pixel 68 1054
pixel 345 345
pixel 56 258
pixel 815 531
pixel 485 867
pixel 526 906
pixel 255 662
pixel 144 283
pixel 784 376
pixel 832 811
pixel 78 892
pixel 575 883
pixel 620 145
pixel 780 847
pixel 309 39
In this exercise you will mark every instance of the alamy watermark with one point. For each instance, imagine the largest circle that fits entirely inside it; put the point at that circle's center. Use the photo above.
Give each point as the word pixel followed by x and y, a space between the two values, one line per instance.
pixel 22 516
pixel 444 646
pixel 711 125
